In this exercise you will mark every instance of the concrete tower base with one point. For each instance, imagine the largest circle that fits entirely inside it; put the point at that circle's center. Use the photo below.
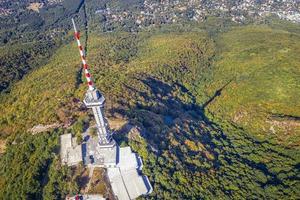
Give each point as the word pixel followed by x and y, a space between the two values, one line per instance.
pixel 99 155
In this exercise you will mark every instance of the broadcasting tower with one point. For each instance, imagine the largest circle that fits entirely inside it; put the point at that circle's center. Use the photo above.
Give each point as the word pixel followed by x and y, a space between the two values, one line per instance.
pixel 95 100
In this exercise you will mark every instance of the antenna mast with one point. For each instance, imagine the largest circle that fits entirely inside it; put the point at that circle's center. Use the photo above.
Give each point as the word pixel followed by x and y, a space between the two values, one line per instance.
pixel 95 100
pixel 85 66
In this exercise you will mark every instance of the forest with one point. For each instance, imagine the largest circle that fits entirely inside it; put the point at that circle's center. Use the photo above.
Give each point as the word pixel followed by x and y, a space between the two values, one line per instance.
pixel 30 169
pixel 217 104
pixel 29 38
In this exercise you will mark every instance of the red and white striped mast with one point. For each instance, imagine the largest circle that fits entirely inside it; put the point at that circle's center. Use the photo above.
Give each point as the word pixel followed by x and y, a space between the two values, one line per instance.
pixel 85 66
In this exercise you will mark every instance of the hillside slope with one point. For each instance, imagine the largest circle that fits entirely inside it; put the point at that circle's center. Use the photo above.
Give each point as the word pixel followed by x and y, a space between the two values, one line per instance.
pixel 261 67
pixel 39 96
pixel 164 82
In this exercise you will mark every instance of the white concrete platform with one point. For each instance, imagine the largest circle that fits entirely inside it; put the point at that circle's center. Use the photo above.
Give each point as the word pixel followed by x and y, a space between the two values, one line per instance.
pixel 97 156
pixel 134 183
pixel 127 159
pixel 117 184
pixel 123 166
pixel 126 181
pixel 70 152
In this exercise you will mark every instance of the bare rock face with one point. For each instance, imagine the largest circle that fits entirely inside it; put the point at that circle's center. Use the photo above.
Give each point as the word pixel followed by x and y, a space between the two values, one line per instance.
pixel 2 146
pixel 117 123
pixel 126 128
pixel 134 132
pixel 35 6
pixel 42 128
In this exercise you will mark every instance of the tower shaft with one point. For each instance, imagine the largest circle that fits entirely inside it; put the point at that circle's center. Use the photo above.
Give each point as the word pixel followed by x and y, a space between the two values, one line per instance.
pixel 102 125
pixel 95 100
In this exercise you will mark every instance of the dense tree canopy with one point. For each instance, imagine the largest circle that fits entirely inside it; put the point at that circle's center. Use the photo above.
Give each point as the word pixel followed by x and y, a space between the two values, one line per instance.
pixel 214 104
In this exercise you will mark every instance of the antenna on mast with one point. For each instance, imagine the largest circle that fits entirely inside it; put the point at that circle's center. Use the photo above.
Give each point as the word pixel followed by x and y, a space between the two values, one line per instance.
pixel 85 66
pixel 74 26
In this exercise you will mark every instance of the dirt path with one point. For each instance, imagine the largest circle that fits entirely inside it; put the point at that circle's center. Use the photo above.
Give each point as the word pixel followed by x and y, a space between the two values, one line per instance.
pixel 90 180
